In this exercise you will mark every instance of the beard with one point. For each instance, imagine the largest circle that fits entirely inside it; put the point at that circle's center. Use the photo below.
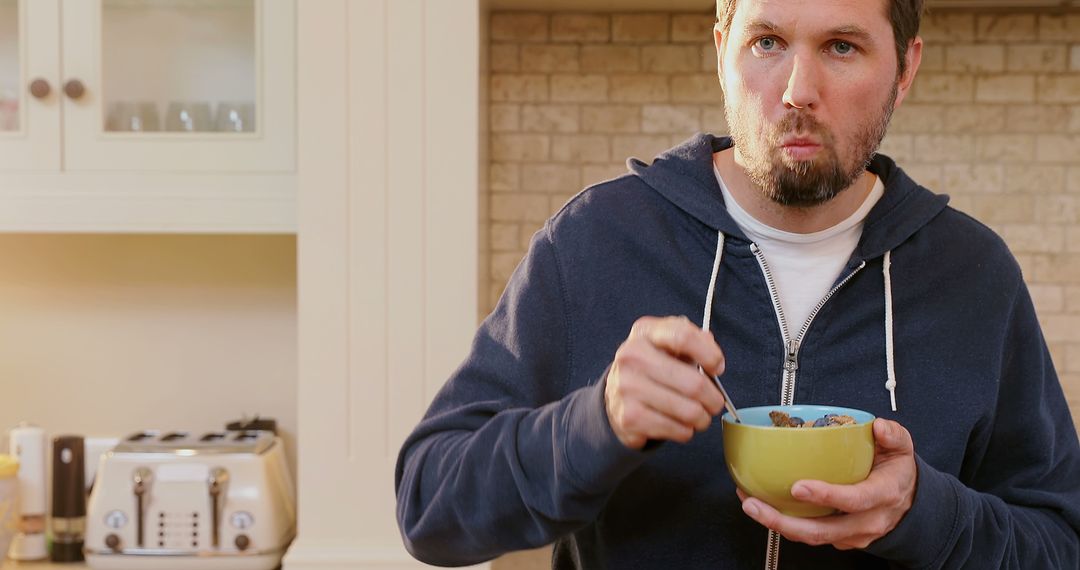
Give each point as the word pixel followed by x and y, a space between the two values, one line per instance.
pixel 805 183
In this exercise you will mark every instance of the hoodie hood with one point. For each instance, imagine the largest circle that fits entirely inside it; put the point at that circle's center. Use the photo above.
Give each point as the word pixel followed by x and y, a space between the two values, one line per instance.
pixel 684 176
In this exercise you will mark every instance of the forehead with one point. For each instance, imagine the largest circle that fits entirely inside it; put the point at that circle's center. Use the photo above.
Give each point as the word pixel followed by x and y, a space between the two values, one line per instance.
pixel 813 15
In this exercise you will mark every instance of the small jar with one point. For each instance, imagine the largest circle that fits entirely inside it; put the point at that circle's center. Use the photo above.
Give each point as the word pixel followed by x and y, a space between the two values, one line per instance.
pixel 9 502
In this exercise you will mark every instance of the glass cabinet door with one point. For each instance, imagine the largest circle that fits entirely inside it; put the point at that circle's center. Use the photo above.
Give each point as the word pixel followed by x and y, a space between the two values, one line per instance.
pixel 10 66
pixel 29 75
pixel 179 85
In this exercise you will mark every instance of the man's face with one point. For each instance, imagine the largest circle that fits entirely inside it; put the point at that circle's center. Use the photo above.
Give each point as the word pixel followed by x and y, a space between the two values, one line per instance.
pixel 810 86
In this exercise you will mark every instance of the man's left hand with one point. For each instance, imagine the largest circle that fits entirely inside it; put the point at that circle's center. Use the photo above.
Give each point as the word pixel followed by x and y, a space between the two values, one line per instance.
pixel 869 510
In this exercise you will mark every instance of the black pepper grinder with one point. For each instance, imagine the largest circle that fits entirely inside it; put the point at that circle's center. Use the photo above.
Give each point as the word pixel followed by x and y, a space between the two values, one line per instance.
pixel 68 499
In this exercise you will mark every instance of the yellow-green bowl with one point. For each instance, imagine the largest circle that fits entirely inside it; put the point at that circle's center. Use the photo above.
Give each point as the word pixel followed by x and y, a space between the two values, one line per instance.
pixel 765 461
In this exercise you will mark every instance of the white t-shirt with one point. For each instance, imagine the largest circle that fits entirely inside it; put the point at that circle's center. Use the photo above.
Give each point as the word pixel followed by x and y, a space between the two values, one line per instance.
pixel 804 266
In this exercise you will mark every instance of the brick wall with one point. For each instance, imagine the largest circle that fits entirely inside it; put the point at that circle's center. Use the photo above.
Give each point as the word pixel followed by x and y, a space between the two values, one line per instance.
pixel 993 120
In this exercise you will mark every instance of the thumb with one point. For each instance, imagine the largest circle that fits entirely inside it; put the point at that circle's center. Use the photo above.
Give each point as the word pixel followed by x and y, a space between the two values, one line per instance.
pixel 891 436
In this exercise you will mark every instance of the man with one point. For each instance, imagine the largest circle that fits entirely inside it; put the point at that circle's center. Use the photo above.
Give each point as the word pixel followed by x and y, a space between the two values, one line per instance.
pixel 825 275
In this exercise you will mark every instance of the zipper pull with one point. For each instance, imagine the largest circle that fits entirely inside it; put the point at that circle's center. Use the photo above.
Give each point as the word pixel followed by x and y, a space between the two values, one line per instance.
pixel 791 363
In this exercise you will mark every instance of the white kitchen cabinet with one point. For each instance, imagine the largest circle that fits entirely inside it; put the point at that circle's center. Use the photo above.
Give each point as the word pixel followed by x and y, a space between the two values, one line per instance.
pixel 148 115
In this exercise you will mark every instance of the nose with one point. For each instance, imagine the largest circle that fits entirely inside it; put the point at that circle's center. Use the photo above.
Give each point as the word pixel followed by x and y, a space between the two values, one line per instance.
pixel 802 88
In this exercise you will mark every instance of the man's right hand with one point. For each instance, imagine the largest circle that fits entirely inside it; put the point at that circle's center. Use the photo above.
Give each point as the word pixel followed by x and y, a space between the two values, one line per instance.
pixel 654 388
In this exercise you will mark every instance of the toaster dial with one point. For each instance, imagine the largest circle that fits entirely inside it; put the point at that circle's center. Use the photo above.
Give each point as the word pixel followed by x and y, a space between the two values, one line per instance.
pixel 241 520
pixel 115 519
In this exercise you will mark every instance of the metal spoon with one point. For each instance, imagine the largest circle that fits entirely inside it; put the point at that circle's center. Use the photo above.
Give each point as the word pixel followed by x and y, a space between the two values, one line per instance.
pixel 729 404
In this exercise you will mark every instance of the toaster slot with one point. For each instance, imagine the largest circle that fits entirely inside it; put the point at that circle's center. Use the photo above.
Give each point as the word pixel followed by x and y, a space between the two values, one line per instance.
pixel 212 437
pixel 216 483
pixel 142 436
pixel 174 436
pixel 140 487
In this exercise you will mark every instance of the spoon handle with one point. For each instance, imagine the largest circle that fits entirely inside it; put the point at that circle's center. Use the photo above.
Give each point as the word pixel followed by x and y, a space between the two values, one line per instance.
pixel 727 399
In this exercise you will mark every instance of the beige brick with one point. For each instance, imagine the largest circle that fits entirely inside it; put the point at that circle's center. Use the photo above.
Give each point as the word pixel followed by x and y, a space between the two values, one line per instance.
pixel 495 291
pixel 943 88
pixel 596 173
pixel 946 27
pixel 505 57
pixel 639 89
pixel 1074 119
pixel 640 28
pixel 580 28
pixel 977 119
pixel 610 58
pixel 1072 179
pixel 504 237
pixel 692 27
pixel 708 58
pixel 519 207
pixel 1034 178
pixel 528 230
pixel 933 58
pixel 557 201
pixel 1057 209
pixel 505 117
pixel 927 174
pixel 579 88
pixel 1058 354
pixel 994 209
pixel 1072 299
pixel 550 118
pixel 518 88
pixel 1007 27
pixel 580 148
pixel 1072 239
pixel 551 178
pixel 1048 298
pixel 714 121
pixel 1034 238
pixel 645 147
pixel 1072 364
pixel 1058 148
pixel 1074 58
pixel 944 148
pixel 1062 268
pixel 1059 88
pixel 700 88
pixel 545 58
pixel 974 179
pixel 519 26
pixel 611 118
pixel 1030 263
pixel 1005 148
pixel 967 58
pixel 504 177
pixel 898 147
pixel 525 148
pixel 1005 89
pixel 1061 328
pixel 918 118
pixel 1038 58
pixel 670 118
pixel 1037 118
pixel 503 265
pixel 670 58
pixel 1059 27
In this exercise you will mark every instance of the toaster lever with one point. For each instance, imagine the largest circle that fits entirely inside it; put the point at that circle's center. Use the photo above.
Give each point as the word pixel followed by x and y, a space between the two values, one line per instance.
pixel 141 480
pixel 219 477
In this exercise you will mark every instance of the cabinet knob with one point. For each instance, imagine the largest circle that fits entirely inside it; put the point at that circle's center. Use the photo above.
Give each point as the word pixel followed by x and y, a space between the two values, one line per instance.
pixel 40 88
pixel 74 88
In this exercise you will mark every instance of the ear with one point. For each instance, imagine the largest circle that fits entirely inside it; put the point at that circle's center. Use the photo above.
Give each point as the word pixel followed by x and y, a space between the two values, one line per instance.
pixel 721 43
pixel 913 58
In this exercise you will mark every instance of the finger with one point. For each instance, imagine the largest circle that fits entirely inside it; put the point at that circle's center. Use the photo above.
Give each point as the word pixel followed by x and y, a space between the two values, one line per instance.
pixel 813 531
pixel 891 437
pixel 684 379
pixel 646 422
pixel 680 337
pixel 886 486
pixel 661 398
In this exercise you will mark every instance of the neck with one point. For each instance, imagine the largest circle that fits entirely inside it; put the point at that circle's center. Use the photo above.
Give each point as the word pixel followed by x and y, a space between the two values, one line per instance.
pixel 801 220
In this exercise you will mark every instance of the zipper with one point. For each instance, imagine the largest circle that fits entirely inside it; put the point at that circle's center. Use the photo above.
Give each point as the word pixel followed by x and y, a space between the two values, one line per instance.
pixel 791 362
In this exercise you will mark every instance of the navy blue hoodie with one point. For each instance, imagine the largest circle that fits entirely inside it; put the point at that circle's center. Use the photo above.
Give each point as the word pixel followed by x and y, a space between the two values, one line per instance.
pixel 516 450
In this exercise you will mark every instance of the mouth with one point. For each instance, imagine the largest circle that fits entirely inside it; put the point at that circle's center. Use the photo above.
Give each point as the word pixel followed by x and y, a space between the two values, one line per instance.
pixel 800 148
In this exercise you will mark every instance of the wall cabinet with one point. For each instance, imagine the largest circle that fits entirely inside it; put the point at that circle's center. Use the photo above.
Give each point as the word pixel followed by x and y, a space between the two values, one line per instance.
pixel 147 115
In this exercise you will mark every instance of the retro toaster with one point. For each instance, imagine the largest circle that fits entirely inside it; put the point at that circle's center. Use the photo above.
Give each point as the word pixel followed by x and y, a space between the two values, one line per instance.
pixel 172 501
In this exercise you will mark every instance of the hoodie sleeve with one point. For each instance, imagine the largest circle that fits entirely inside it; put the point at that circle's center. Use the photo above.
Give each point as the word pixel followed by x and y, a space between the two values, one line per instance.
pixel 504 459
pixel 1016 503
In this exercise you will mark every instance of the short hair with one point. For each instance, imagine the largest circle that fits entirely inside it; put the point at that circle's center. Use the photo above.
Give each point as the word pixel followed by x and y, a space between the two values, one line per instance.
pixel 905 15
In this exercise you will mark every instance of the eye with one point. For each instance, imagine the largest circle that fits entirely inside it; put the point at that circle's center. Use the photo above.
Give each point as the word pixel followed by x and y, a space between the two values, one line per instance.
pixel 843 48
pixel 767 44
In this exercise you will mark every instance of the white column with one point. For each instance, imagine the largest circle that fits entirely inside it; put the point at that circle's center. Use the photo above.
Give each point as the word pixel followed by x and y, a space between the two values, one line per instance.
pixel 388 215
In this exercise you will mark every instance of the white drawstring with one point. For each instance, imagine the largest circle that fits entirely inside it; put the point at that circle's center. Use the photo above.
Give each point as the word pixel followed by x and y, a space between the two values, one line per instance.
pixel 890 383
pixel 712 280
